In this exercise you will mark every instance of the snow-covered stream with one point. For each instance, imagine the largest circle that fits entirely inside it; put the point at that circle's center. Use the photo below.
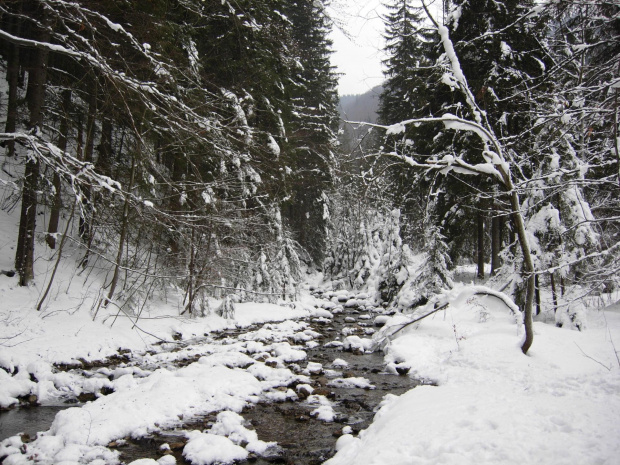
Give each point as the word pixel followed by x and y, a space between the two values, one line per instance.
pixel 259 387
pixel 275 391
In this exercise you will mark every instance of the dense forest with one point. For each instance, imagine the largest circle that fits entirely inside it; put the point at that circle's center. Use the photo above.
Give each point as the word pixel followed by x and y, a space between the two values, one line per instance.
pixel 194 144
pixel 500 146
pixel 187 142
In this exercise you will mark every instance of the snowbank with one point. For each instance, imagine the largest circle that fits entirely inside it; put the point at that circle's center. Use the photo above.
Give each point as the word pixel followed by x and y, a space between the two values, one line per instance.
pixel 558 405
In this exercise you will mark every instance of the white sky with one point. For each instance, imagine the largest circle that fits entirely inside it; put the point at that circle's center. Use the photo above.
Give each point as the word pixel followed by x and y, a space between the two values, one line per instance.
pixel 359 56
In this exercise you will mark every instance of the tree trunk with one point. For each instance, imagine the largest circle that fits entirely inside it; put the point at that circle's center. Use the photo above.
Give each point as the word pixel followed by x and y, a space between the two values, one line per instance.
pixel 52 228
pixel 480 255
pixel 35 96
pixel 24 254
pixel 85 228
pixel 496 241
pixel 191 276
pixel 554 293
pixel 12 78
pixel 123 234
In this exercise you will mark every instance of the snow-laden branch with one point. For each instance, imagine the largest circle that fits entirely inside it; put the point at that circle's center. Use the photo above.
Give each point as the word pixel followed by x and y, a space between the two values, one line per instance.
pixel 450 162
pixel 590 256
pixel 40 45
pixel 75 170
pixel 455 66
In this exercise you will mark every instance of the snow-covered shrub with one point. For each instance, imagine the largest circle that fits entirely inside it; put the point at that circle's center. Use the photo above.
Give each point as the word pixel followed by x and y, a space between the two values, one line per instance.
pixel 364 246
pixel 227 308
pixel 427 274
pixel 278 270
pixel 366 251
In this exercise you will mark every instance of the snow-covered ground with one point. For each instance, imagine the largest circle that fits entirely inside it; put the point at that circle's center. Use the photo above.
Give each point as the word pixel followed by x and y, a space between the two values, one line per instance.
pixel 156 394
pixel 560 404
pixel 492 405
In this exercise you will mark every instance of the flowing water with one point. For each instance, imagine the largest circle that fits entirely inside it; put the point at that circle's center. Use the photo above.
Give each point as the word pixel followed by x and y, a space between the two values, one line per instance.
pixel 28 420
pixel 302 439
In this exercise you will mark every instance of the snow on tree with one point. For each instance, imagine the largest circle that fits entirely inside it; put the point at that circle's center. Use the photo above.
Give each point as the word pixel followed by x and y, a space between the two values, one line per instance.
pixel 170 128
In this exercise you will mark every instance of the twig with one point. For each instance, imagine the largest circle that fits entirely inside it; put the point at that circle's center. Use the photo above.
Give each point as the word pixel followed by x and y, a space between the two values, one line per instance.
pixel 611 339
pixel 421 318
pixel 593 359
pixel 134 322
pixel 9 338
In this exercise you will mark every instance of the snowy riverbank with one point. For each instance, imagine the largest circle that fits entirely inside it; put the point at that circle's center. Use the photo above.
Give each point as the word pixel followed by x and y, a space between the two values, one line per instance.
pixel 493 405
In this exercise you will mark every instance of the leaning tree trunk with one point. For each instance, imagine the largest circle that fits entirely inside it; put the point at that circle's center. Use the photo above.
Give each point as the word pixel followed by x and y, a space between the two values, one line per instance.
pixel 528 264
pixel 52 227
pixel 24 254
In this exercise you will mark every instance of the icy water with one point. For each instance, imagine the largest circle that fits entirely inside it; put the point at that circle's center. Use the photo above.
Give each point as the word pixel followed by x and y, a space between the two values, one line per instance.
pixel 302 439
pixel 28 420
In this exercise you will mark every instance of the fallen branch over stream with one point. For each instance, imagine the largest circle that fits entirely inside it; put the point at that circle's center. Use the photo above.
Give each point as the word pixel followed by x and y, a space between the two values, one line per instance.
pixel 381 343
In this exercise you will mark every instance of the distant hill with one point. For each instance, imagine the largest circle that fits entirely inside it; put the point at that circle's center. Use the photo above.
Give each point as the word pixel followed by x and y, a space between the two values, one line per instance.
pixel 360 107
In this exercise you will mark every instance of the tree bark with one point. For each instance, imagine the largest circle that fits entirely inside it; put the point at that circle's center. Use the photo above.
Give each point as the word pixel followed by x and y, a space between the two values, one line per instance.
pixel 35 96
pixel 52 227
pixel 480 254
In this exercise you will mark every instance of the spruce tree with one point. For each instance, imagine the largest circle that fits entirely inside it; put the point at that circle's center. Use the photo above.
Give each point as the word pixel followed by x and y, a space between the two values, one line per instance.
pixel 307 164
pixel 409 75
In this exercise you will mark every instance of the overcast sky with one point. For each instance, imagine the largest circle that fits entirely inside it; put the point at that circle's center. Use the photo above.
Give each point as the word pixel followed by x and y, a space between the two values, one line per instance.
pixel 358 56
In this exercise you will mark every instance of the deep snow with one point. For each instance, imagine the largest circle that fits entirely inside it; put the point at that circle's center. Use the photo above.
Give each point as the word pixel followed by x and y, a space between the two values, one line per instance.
pixel 560 404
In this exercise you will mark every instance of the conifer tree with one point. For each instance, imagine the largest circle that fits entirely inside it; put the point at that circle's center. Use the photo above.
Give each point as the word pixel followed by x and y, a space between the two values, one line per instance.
pixel 314 120
pixel 409 76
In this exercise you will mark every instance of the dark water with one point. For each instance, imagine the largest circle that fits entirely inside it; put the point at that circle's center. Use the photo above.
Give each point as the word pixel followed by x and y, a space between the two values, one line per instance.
pixel 28 420
pixel 302 440
pixel 308 441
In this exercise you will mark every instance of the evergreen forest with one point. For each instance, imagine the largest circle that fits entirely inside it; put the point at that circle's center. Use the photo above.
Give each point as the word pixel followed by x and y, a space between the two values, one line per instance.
pixel 196 146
